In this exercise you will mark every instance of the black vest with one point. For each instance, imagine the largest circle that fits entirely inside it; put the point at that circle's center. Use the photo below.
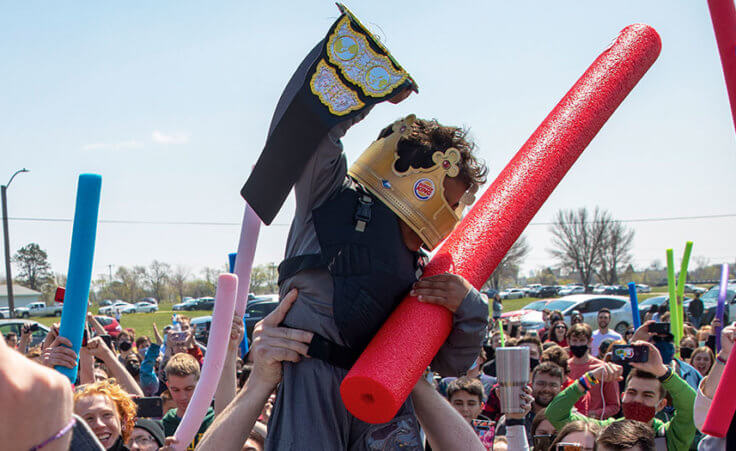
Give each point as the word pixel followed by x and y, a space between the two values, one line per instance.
pixel 372 270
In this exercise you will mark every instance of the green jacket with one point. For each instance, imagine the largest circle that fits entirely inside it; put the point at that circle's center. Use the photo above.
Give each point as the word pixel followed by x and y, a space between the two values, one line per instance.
pixel 679 431
pixel 171 421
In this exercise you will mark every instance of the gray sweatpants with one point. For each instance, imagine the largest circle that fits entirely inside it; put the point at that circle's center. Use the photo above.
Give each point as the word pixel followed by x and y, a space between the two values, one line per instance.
pixel 309 415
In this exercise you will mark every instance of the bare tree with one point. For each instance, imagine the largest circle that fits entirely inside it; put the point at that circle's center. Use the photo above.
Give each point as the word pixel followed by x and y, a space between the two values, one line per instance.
pixel 157 276
pixel 615 252
pixel 577 239
pixel 178 280
pixel 508 267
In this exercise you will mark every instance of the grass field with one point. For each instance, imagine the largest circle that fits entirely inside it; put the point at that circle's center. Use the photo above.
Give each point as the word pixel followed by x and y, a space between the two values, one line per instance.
pixel 142 322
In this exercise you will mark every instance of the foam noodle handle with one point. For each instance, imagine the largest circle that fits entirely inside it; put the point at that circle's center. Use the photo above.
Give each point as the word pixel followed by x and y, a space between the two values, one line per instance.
pixel 722 407
pixel 723 16
pixel 382 378
pixel 222 318
pixel 681 282
pixel 503 337
pixel 722 292
pixel 634 305
pixel 81 257
pixel 675 327
pixel 244 260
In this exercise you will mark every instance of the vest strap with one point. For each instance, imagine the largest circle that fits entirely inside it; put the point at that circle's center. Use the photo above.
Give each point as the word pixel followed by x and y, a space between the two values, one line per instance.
pixel 332 353
pixel 363 212
pixel 293 265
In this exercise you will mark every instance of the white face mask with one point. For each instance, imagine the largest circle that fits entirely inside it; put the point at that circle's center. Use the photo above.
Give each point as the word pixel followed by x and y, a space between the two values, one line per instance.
pixel 701 343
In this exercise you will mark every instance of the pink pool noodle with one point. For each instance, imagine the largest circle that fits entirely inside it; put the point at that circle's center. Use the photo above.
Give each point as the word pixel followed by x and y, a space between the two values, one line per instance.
pixel 723 16
pixel 384 375
pixel 244 260
pixel 222 319
pixel 723 407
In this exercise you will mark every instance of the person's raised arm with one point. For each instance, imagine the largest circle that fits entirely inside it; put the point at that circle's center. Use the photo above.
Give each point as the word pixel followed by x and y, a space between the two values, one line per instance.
pixel 445 428
pixel 97 347
pixel 271 346
pixel 92 321
pixel 228 383
pixel 710 383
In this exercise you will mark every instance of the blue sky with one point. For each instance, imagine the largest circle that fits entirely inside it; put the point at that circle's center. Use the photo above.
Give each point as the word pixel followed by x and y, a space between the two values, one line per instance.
pixel 170 103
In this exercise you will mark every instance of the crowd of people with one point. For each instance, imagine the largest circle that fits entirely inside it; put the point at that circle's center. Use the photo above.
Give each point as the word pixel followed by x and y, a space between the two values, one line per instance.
pixel 132 391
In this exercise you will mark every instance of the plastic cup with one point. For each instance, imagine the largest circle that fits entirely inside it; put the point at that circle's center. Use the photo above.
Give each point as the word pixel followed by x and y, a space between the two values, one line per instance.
pixel 512 371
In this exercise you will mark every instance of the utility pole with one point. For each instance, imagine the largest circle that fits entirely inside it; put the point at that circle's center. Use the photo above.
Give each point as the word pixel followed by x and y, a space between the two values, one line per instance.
pixel 109 267
pixel 8 274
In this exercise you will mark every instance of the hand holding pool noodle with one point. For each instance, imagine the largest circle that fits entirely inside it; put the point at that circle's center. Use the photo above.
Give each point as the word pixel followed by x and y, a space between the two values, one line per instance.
pixel 81 257
pixel 222 318
pixel 384 375
pixel 722 293
pixel 634 305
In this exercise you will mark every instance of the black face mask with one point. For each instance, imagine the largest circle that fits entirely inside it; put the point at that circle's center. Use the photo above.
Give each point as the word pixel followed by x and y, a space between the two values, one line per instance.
pixel 685 353
pixel 125 346
pixel 579 351
pixel 533 364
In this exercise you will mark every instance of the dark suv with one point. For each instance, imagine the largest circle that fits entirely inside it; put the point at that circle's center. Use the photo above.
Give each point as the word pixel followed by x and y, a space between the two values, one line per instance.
pixel 256 311
pixel 546 291
pixel 204 304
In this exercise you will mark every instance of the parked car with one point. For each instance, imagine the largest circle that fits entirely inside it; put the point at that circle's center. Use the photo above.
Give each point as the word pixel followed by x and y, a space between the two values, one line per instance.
pixel 710 299
pixel 145 307
pixel 571 289
pixel 690 288
pixel 536 306
pixel 545 291
pixel 642 288
pixel 256 311
pixel 111 325
pixel 40 309
pixel 588 305
pixel 201 326
pixel 150 300
pixel 122 307
pixel 204 304
pixel 187 304
pixel 106 302
pixel 20 312
pixel 512 293
pixel 15 325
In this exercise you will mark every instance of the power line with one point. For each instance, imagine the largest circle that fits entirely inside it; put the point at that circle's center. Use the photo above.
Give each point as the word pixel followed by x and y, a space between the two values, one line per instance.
pixel 215 223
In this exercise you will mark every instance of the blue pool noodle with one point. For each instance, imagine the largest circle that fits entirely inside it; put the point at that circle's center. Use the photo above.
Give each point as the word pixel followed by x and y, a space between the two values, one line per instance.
pixel 634 305
pixel 79 276
pixel 243 347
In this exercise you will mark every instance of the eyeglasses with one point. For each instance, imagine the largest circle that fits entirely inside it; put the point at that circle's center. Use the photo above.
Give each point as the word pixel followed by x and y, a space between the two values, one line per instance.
pixel 560 328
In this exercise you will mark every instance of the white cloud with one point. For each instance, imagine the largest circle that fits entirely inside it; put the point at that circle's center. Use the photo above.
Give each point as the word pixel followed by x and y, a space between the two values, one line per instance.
pixel 120 145
pixel 170 138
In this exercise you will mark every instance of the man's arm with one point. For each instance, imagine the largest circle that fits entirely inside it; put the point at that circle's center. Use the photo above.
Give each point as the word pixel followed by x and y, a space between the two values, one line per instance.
pixel 469 323
pixel 99 349
pixel 228 384
pixel 559 411
pixel 445 428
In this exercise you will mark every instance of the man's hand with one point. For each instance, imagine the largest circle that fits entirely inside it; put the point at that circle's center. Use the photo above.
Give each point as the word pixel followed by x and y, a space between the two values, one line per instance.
pixel 236 334
pixel 59 353
pixel 51 336
pixel 716 323
pixel 273 344
pixel 97 348
pixel 447 290
pixel 156 334
pixel 609 372
pixel 25 331
pixel 526 402
pixel 642 333
pixel 654 364
pixel 728 334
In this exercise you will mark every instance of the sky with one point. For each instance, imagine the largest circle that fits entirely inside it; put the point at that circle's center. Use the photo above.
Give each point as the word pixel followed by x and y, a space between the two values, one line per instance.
pixel 170 102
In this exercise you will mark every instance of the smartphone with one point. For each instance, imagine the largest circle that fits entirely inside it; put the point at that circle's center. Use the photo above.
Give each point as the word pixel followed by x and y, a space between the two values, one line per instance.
pixel 482 425
pixel 563 446
pixel 630 353
pixel 85 337
pixel 659 328
pixel 108 341
pixel 150 407
pixel 33 327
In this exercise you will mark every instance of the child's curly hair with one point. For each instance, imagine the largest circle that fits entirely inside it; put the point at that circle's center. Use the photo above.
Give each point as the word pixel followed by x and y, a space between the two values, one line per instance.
pixel 124 406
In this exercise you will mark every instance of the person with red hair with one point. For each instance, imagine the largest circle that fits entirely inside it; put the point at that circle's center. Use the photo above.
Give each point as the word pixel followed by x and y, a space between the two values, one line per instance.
pixel 108 410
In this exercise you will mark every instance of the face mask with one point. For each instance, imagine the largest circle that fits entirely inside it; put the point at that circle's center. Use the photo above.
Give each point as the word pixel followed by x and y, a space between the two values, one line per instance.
pixel 490 353
pixel 666 350
pixel 133 367
pixel 701 343
pixel 125 346
pixel 638 411
pixel 685 353
pixel 533 364
pixel 579 351
pixel 143 351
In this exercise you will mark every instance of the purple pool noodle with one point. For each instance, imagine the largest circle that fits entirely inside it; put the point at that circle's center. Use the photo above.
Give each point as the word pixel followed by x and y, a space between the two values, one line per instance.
pixel 721 303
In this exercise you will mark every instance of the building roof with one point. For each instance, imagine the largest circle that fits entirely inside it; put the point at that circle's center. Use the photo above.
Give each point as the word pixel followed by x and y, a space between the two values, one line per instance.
pixel 18 290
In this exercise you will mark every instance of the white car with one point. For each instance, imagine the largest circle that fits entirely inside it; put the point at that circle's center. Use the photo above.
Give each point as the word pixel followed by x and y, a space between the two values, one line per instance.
pixel 642 288
pixel 118 306
pixel 145 307
pixel 588 305
pixel 571 289
pixel 512 293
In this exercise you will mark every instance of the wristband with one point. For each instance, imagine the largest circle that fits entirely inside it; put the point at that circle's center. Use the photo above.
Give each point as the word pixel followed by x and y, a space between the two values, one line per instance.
pixel 591 378
pixel 583 383
pixel 666 376
pixel 515 422
pixel 68 427
pixel 720 358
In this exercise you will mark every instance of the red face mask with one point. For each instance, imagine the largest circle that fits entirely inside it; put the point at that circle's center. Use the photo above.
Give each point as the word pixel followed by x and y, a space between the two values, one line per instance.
pixel 637 411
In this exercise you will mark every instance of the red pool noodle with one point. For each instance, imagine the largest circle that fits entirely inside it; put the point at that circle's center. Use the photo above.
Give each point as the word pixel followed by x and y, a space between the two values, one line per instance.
pixel 723 16
pixel 723 407
pixel 384 375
